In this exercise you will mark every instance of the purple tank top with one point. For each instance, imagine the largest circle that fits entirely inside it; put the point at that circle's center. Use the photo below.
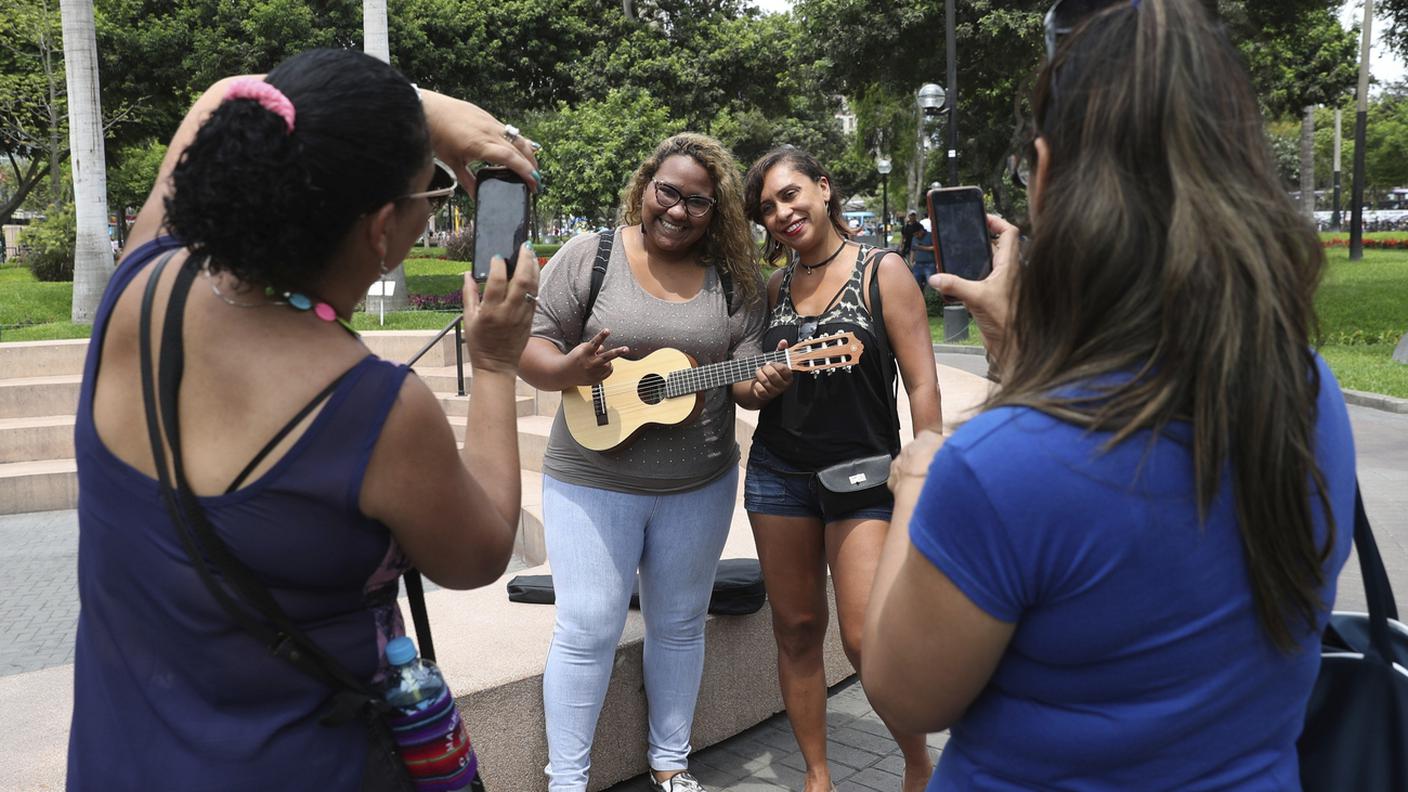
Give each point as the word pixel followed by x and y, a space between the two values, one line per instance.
pixel 169 692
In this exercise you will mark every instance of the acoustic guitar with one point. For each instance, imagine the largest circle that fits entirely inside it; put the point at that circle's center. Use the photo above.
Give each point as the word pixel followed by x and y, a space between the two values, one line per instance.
pixel 664 387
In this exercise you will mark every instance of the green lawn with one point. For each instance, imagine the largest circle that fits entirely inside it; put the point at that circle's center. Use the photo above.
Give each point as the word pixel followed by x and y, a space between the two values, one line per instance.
pixel 1363 308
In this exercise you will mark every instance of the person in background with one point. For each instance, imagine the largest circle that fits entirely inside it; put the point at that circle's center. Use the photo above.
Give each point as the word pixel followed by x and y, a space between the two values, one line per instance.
pixel 659 507
pixel 280 200
pixel 830 284
pixel 1117 575
pixel 924 256
pixel 907 231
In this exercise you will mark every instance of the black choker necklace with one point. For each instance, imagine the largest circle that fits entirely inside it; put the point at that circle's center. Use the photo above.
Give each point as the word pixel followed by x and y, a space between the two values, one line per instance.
pixel 823 262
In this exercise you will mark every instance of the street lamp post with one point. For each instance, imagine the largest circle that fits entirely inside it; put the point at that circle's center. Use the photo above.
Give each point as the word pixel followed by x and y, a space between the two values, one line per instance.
pixel 882 164
pixel 930 100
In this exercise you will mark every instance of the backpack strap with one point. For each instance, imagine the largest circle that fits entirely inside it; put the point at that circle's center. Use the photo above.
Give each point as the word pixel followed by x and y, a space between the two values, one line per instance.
pixel 605 240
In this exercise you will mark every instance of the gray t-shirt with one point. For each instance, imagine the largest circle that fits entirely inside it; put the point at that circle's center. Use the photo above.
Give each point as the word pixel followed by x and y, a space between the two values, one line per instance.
pixel 661 458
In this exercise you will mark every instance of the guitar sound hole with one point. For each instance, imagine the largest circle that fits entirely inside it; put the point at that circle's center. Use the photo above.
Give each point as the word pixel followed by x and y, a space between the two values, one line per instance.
pixel 651 388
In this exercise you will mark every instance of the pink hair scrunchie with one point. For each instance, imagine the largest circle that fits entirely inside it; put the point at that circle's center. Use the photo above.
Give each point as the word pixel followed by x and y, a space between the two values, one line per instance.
pixel 269 97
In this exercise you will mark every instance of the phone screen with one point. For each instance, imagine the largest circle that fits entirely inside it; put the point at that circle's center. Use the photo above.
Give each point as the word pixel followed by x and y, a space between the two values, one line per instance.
pixel 961 230
pixel 500 221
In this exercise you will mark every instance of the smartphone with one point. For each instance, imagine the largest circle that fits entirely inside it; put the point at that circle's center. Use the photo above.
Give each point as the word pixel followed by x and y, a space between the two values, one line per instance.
pixel 961 231
pixel 502 208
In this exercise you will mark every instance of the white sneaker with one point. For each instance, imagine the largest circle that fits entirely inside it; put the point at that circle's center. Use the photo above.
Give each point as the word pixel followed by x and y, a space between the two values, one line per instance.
pixel 680 782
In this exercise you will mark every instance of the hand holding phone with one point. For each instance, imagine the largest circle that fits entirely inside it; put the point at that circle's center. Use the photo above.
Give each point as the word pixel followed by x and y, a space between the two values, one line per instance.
pixel 961 232
pixel 501 214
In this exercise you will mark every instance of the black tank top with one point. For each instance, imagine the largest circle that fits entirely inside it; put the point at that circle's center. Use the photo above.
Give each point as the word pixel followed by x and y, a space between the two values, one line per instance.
pixel 829 418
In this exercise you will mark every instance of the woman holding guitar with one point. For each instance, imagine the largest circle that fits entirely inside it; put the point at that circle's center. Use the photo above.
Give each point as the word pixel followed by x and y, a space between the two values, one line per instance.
pixel 852 422
pixel 660 503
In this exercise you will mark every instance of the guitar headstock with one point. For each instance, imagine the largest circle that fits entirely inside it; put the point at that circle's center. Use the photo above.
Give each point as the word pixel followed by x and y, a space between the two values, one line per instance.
pixel 827 353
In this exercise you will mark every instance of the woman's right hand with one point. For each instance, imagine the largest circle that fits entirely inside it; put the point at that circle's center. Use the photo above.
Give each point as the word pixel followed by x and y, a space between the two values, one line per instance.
pixel 496 325
pixel 990 299
pixel 590 361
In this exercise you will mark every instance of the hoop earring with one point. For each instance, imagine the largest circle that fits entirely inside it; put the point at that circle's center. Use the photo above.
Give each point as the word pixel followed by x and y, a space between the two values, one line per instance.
pixel 385 270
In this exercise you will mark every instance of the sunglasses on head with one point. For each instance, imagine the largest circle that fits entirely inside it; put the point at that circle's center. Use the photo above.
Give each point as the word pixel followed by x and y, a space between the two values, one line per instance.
pixel 442 185
pixel 1065 16
pixel 807 328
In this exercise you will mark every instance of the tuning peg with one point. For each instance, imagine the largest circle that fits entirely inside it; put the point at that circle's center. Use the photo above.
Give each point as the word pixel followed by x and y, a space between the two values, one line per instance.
pixel 816 375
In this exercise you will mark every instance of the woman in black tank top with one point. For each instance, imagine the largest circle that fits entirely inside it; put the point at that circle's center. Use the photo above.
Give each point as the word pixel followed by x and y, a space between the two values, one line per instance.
pixel 831 285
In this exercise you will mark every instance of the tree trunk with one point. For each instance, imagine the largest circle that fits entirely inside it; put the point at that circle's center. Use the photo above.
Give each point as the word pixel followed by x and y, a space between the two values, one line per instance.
pixel 1307 162
pixel 92 262
pixel 377 43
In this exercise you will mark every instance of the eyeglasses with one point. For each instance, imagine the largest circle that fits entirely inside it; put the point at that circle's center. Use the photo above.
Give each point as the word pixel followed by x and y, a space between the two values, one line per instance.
pixel 1065 16
pixel 442 185
pixel 694 205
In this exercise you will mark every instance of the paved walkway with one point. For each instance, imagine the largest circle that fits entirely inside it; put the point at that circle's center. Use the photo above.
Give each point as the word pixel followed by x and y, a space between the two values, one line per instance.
pixel 765 758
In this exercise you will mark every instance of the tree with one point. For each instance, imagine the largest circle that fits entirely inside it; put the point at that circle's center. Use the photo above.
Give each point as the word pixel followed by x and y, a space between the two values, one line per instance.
pixel 33 105
pixel 595 148
pixel 92 263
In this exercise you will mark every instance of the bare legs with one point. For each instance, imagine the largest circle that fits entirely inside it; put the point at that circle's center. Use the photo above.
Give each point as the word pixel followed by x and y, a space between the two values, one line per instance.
pixel 794 553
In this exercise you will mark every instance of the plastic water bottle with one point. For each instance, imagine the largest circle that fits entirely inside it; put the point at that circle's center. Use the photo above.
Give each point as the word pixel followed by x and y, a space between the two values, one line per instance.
pixel 426 723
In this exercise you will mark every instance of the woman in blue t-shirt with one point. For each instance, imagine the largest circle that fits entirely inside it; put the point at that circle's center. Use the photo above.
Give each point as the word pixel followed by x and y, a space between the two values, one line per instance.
pixel 1115 577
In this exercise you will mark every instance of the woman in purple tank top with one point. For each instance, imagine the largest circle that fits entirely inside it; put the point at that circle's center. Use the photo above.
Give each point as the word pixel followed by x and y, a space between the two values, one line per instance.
pixel 281 199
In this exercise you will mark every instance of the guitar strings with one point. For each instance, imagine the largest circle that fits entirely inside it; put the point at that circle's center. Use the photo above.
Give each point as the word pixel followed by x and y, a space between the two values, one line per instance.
pixel 656 391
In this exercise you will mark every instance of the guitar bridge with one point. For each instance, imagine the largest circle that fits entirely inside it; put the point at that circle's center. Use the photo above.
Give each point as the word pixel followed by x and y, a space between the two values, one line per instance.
pixel 599 404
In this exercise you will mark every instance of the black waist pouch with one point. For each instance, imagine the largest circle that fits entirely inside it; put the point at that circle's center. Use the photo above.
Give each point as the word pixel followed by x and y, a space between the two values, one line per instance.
pixel 738 588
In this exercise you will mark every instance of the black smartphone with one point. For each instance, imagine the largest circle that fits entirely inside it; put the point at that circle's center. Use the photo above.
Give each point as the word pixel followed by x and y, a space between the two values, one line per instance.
pixel 502 208
pixel 960 227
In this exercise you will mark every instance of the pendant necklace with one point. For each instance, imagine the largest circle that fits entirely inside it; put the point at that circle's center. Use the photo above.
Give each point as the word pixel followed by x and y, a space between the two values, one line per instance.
pixel 823 262
pixel 295 300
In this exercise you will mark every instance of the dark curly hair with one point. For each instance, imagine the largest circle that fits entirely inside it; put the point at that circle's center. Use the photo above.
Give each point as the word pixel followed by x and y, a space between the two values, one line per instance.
pixel 270 206
pixel 804 163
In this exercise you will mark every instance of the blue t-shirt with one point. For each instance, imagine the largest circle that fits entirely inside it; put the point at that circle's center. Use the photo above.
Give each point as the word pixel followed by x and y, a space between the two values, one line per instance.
pixel 923 237
pixel 1138 661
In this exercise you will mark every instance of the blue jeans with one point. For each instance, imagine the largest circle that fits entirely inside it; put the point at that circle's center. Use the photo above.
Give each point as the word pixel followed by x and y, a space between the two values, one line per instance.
pixel 597 540
pixel 775 487
pixel 922 270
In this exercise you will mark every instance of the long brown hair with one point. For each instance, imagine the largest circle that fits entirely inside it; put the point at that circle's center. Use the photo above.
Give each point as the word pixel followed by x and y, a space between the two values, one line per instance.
pixel 728 244
pixel 804 163
pixel 1167 263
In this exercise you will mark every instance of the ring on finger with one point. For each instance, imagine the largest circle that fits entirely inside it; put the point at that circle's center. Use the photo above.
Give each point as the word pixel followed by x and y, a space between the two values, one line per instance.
pixel 510 132
pixel 530 297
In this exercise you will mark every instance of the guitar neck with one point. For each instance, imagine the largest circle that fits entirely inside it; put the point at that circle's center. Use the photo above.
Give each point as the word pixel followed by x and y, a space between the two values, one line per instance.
pixel 716 375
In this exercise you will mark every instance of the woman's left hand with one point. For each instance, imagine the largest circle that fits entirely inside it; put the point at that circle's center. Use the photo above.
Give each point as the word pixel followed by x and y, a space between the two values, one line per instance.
pixel 771 379
pixel 912 465
pixel 461 133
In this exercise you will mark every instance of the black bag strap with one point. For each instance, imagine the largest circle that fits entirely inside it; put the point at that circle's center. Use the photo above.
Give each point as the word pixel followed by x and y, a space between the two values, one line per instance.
pixel 882 336
pixel 351 698
pixel 1377 590
pixel 605 240
pixel 283 432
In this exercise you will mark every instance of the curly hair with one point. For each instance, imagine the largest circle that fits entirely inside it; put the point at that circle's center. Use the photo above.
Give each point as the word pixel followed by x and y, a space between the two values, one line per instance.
pixel 270 206
pixel 728 243
pixel 804 163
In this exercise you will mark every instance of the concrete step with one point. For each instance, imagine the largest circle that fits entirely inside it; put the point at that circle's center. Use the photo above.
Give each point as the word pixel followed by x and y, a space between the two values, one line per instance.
pixel 42 358
pixel 43 485
pixel 444 379
pixel 399 345
pixel 28 397
pixel 30 439
pixel 458 407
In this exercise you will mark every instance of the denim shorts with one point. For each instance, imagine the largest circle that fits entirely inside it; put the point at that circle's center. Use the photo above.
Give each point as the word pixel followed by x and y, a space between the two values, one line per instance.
pixel 777 488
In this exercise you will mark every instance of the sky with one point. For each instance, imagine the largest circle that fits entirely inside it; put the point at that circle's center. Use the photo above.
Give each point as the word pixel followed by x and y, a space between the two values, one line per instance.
pixel 1385 66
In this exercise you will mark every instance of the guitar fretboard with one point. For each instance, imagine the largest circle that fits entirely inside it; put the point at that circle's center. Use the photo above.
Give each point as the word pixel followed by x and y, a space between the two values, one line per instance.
pixel 717 374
